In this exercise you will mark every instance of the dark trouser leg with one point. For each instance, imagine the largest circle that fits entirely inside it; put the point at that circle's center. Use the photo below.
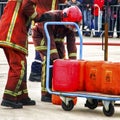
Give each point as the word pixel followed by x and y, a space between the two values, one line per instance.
pixel 36 67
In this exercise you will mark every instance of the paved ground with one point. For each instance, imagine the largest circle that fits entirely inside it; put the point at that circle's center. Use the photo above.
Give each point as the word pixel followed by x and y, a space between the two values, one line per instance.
pixel 48 111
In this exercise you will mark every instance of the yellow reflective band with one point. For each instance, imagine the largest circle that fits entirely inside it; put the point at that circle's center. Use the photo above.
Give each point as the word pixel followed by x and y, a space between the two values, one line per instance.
pixel 16 92
pixel 10 93
pixel 12 24
pixel 41 48
pixel 14 45
pixel 33 15
pixel 25 91
pixel 43 79
pixel 16 0
pixel 22 73
pixel 19 93
pixel 53 51
pixel 72 55
pixel 32 23
pixel 53 4
pixel 59 40
pixel 42 43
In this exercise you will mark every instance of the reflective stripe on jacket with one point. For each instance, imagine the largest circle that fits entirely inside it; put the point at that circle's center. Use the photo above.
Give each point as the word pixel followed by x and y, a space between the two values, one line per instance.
pixel 13 24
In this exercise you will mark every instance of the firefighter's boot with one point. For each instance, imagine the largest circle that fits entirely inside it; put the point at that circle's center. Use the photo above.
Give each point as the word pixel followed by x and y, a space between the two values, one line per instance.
pixel 12 104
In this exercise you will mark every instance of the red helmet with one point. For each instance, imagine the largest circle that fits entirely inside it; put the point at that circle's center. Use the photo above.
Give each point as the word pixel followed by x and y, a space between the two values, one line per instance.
pixel 72 14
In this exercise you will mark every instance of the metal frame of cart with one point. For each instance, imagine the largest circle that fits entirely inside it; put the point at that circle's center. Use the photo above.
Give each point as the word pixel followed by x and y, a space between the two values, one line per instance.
pixel 92 98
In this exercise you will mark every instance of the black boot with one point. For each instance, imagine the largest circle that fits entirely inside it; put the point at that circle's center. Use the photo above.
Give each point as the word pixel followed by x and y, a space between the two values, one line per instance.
pixel 35 77
pixel 46 97
pixel 28 102
pixel 13 104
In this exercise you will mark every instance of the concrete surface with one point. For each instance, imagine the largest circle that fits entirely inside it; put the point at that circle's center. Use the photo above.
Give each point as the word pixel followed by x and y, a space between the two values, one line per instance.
pixel 48 111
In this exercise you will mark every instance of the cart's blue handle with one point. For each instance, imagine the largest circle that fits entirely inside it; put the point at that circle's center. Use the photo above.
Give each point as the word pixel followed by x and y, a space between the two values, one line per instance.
pixel 48 47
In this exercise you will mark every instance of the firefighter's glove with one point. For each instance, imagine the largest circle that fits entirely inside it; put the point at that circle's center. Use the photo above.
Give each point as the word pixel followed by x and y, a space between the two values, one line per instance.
pixel 45 17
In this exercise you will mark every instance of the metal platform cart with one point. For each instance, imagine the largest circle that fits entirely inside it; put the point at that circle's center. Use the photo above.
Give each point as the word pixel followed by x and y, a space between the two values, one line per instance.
pixel 92 98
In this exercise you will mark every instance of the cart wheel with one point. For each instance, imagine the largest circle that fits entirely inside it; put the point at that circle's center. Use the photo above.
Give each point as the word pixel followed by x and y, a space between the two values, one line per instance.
pixel 109 112
pixel 92 105
pixel 69 106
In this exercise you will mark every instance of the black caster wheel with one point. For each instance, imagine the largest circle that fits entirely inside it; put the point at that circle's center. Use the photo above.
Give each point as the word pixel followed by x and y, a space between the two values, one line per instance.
pixel 69 106
pixel 109 112
pixel 91 105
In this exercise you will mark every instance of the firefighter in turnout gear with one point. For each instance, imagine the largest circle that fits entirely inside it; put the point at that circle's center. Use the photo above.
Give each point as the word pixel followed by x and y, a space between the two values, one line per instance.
pixel 36 66
pixel 57 34
pixel 14 41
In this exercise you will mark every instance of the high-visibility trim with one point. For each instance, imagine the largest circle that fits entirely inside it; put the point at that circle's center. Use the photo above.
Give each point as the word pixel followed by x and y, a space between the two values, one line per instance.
pixel 16 92
pixel 43 77
pixel 72 55
pixel 12 24
pixel 40 48
pixel 11 28
pixel 44 48
pixel 9 92
pixel 53 51
pixel 42 43
pixel 53 4
pixel 59 39
pixel 7 43
pixel 33 15
pixel 22 73
pixel 16 0
pixel 25 91
pixel 32 24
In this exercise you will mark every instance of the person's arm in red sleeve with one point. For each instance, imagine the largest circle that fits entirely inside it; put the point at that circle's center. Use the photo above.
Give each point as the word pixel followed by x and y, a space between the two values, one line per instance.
pixel 28 8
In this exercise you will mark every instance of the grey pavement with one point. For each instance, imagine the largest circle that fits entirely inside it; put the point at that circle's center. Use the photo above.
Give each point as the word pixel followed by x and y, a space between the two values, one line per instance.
pixel 48 111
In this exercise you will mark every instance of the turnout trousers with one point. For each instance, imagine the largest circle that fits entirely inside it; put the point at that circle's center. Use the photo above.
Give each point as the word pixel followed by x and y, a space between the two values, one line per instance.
pixel 16 87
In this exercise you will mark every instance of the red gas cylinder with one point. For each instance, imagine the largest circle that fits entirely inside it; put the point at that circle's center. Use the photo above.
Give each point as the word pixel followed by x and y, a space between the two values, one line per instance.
pixel 93 71
pixel 67 75
pixel 110 78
